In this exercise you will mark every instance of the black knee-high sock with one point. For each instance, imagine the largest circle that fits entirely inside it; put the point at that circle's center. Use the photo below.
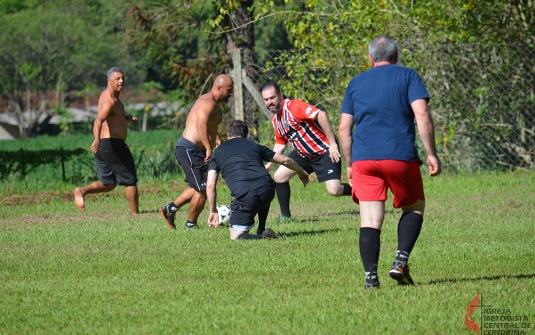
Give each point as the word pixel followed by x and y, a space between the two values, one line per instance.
pixel 409 227
pixel 262 218
pixel 283 195
pixel 369 245
pixel 347 189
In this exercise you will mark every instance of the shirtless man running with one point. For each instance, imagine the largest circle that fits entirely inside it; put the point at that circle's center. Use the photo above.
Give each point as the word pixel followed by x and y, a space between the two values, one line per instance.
pixel 113 159
pixel 194 149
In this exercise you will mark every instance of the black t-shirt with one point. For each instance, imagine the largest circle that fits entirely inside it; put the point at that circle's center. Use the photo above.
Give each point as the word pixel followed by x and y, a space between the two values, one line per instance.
pixel 241 163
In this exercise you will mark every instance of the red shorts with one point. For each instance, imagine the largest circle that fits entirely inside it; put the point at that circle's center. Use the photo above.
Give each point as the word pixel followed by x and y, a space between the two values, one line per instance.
pixel 372 179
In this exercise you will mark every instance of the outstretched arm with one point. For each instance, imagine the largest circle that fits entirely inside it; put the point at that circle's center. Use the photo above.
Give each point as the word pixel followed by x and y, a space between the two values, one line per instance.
pixel 426 129
pixel 211 192
pixel 292 165
pixel 279 149
pixel 325 124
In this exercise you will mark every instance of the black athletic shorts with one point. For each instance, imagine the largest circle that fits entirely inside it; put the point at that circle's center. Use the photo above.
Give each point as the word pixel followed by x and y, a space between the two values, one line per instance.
pixel 244 208
pixel 114 163
pixel 322 165
pixel 191 159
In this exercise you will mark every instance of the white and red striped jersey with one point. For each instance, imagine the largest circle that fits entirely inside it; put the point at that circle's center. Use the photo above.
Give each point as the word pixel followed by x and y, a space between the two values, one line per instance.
pixel 296 124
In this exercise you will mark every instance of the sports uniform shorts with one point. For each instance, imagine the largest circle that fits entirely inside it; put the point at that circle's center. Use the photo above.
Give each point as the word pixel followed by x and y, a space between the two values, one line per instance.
pixel 191 159
pixel 322 165
pixel 244 208
pixel 373 178
pixel 114 163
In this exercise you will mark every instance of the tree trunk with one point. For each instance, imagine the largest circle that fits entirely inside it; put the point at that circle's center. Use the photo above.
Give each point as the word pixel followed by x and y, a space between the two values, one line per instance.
pixel 241 31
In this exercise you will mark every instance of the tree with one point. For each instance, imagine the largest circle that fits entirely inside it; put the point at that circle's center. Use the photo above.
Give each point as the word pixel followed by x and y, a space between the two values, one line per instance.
pixel 39 55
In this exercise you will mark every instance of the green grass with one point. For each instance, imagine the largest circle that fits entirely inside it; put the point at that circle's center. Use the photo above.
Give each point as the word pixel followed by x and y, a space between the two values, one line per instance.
pixel 105 271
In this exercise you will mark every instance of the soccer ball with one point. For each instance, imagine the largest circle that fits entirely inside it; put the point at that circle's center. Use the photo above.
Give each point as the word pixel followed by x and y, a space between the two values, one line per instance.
pixel 223 212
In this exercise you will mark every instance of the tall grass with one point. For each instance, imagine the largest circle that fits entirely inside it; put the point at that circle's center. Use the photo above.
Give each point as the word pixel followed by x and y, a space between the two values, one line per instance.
pixel 105 271
pixel 153 153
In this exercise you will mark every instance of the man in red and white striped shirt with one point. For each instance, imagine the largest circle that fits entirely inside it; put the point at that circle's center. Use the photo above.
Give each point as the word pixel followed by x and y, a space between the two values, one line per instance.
pixel 311 136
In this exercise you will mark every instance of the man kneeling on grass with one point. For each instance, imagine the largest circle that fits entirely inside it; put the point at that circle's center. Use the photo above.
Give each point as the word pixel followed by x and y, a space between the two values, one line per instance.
pixel 241 163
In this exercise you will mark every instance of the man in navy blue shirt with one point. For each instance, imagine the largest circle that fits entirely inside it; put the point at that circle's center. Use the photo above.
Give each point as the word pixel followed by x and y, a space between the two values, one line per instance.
pixel 382 105
pixel 241 163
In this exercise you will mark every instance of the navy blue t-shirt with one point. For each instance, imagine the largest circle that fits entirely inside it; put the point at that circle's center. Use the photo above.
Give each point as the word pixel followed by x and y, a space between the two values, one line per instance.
pixel 241 163
pixel 380 102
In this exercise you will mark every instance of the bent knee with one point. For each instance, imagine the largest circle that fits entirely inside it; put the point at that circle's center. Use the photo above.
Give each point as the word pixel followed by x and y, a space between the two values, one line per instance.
pixel 110 187
pixel 336 191
pixel 281 178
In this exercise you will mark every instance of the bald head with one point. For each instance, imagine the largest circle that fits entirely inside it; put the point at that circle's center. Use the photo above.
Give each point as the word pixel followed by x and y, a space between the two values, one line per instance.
pixel 223 79
pixel 223 87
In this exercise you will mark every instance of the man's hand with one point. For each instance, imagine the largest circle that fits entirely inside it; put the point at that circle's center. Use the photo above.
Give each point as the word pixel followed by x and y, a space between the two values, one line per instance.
pixel 213 220
pixel 304 177
pixel 435 167
pixel 218 140
pixel 349 174
pixel 208 156
pixel 334 153
pixel 95 145
pixel 269 166
pixel 131 118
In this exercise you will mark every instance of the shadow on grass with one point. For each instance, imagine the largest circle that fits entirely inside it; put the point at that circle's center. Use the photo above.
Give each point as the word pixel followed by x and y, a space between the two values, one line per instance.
pixel 310 232
pixel 356 213
pixel 464 280
pixel 149 211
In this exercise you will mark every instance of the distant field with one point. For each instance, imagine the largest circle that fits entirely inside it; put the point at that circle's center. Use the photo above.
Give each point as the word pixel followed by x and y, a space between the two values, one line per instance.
pixel 105 271
pixel 153 153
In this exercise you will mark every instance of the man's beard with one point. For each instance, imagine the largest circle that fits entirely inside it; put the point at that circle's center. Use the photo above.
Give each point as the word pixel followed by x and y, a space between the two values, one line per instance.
pixel 224 98
pixel 276 107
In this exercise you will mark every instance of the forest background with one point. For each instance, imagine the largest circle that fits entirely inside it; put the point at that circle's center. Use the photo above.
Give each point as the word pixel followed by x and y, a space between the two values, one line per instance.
pixel 466 51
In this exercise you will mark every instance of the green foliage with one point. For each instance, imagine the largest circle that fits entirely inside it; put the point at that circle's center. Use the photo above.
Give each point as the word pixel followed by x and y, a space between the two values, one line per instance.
pixel 37 53
pixel 23 162
pixel 176 41
pixel 13 6
pixel 475 128
pixel 106 271
pixel 45 157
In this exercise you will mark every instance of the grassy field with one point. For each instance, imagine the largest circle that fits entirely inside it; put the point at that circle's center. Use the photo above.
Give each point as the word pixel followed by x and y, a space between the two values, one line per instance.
pixel 105 271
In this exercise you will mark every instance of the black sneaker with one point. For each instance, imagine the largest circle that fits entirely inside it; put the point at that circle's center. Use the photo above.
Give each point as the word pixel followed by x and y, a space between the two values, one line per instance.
pixel 401 274
pixel 190 225
pixel 270 234
pixel 169 215
pixel 372 281
pixel 372 286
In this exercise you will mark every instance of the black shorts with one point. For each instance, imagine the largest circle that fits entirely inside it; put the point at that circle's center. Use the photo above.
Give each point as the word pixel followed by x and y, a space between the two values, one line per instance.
pixel 191 159
pixel 322 165
pixel 114 163
pixel 244 208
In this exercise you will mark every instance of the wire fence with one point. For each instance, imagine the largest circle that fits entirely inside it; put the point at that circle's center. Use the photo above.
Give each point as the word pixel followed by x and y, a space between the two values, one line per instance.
pixel 482 98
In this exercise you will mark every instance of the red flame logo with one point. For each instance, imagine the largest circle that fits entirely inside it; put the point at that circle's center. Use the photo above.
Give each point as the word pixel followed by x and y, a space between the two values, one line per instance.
pixel 468 321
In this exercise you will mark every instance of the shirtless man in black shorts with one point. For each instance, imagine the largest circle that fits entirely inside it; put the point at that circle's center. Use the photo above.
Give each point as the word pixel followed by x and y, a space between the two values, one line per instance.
pixel 194 149
pixel 113 159
pixel 252 191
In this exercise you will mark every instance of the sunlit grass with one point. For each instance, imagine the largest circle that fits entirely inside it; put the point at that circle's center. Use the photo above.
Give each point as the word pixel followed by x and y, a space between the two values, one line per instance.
pixel 106 271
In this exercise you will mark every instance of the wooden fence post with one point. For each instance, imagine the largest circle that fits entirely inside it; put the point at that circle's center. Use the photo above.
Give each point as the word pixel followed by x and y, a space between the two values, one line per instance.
pixel 238 90
pixel 22 163
pixel 62 157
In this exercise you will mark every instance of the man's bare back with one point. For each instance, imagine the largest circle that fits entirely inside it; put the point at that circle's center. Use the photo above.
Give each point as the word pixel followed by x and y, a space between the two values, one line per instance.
pixel 204 117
